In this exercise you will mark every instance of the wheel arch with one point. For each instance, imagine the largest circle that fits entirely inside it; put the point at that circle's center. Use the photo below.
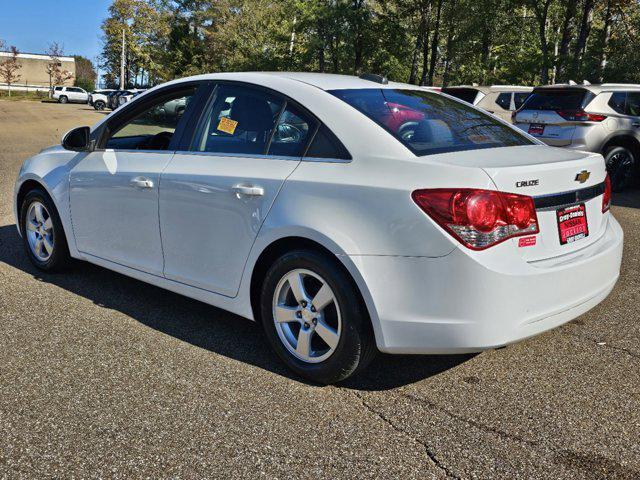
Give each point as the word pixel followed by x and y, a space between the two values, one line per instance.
pixel 282 245
pixel 627 140
pixel 25 187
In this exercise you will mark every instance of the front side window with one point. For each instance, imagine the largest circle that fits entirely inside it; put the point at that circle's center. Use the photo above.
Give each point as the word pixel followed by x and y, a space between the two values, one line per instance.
pixel 240 120
pixel 153 128
pixel 633 104
pixel 428 123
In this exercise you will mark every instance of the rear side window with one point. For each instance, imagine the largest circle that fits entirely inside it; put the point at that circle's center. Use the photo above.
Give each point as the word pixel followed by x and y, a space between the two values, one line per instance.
pixel 240 120
pixel 429 123
pixel 504 100
pixel 326 145
pixel 292 133
pixel 558 100
pixel 617 102
pixel 519 98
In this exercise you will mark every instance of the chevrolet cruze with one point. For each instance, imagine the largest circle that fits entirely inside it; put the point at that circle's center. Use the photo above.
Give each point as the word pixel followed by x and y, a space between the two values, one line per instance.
pixel 346 215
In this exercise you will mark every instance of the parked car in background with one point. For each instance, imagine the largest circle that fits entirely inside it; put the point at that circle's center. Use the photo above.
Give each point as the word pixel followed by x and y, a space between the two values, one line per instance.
pixel 346 215
pixel 114 98
pixel 127 97
pixel 596 118
pixel 70 94
pixel 99 98
pixel 500 100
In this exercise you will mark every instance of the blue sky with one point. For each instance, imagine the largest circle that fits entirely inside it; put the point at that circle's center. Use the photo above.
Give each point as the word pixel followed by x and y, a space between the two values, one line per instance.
pixel 31 25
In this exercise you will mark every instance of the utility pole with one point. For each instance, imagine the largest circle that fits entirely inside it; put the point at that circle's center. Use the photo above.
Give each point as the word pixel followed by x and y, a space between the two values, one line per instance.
pixel 122 63
pixel 293 35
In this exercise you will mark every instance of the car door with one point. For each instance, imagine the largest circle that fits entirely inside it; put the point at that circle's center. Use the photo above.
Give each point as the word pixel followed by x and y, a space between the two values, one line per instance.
pixel 114 190
pixel 214 198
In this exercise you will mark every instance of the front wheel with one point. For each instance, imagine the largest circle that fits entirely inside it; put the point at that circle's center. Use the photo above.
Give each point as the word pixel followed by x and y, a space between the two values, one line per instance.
pixel 314 318
pixel 619 162
pixel 42 232
pixel 99 105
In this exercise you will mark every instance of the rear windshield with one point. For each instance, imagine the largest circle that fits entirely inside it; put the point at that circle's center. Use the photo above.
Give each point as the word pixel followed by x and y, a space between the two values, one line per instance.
pixel 558 100
pixel 429 123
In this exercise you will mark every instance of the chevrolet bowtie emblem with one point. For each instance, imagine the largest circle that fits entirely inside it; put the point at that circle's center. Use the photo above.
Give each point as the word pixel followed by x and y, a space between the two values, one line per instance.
pixel 583 176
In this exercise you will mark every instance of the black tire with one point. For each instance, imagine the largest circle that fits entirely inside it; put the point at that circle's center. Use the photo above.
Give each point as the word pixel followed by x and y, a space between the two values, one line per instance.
pixel 60 258
pixel 356 346
pixel 63 99
pixel 620 162
pixel 99 105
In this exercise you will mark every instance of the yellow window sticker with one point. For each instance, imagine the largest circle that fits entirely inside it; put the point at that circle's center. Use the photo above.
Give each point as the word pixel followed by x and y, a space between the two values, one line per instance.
pixel 227 125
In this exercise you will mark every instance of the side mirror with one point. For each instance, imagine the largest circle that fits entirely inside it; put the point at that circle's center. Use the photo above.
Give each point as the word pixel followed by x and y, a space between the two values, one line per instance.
pixel 77 140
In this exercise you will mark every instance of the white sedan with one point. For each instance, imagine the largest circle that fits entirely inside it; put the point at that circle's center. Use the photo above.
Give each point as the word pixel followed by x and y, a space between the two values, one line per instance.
pixel 347 215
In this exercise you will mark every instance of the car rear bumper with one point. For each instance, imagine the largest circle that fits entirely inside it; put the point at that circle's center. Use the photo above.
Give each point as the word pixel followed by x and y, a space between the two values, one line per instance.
pixel 456 304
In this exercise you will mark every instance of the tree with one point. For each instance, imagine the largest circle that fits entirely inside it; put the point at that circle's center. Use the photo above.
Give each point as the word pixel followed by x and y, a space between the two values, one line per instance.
pixel 9 68
pixel 85 73
pixel 541 10
pixel 57 74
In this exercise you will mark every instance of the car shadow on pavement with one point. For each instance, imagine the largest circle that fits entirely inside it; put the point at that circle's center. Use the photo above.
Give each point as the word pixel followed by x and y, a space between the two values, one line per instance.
pixel 629 197
pixel 205 326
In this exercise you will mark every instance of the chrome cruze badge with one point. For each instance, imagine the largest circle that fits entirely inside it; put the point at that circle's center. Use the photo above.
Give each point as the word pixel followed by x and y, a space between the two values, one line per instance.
pixel 527 183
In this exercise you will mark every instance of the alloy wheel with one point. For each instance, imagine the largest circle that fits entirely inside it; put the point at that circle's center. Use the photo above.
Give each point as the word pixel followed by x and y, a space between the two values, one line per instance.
pixel 307 316
pixel 39 231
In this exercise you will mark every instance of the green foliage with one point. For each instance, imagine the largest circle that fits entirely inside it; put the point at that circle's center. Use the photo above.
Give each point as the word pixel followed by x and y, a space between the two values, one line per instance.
pixel 472 41
pixel 85 74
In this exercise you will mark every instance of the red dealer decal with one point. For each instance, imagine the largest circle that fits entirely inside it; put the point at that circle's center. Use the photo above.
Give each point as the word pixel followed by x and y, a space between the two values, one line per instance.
pixel 527 241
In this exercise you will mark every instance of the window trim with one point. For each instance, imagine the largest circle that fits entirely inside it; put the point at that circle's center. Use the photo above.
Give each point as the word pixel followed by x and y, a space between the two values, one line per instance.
pixel 190 146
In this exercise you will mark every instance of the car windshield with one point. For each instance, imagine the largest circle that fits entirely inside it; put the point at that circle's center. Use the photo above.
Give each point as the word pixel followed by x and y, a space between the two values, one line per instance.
pixel 428 123
pixel 563 99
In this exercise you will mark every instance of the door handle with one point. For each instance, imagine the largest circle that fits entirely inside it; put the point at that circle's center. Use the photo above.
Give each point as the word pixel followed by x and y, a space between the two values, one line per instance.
pixel 141 182
pixel 249 190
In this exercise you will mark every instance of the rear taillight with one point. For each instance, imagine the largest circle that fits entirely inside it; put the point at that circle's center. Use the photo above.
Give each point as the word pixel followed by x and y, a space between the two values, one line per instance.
pixel 580 116
pixel 606 197
pixel 479 219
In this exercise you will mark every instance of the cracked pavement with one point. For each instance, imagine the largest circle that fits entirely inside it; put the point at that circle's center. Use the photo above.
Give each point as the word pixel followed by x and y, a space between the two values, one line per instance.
pixel 104 376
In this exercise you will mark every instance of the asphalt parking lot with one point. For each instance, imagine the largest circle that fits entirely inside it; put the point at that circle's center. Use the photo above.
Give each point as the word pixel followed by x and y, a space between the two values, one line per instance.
pixel 105 376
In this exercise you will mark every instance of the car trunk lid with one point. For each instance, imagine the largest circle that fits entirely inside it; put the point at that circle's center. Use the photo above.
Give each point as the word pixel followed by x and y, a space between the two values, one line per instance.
pixel 567 188
pixel 557 179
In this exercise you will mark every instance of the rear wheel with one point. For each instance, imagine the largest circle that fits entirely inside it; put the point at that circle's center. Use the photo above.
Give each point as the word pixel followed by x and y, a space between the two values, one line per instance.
pixel 42 232
pixel 63 99
pixel 314 319
pixel 620 162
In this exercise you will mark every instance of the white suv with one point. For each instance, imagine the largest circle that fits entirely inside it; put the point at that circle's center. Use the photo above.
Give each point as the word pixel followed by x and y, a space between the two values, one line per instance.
pixel 70 94
pixel 99 100
pixel 500 100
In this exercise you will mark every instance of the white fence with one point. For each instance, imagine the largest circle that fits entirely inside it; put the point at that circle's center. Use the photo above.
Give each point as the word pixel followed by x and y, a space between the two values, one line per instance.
pixel 21 87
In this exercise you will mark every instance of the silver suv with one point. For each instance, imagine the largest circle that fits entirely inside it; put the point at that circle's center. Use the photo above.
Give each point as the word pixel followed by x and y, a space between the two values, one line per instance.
pixel 597 118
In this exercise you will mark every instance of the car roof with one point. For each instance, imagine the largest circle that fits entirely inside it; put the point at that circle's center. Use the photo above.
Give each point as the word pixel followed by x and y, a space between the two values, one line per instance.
pixel 493 88
pixel 597 88
pixel 323 81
